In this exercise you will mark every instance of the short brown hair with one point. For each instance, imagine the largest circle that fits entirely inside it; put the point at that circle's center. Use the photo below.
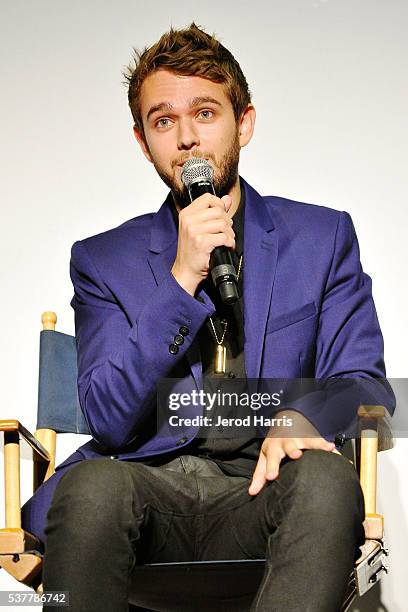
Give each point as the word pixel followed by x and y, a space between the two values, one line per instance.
pixel 188 52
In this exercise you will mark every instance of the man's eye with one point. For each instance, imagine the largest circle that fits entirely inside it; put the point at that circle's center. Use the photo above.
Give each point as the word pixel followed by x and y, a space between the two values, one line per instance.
pixel 163 122
pixel 206 114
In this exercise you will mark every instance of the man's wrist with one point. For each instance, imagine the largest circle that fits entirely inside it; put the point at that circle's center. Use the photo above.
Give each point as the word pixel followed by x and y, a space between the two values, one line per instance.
pixel 185 282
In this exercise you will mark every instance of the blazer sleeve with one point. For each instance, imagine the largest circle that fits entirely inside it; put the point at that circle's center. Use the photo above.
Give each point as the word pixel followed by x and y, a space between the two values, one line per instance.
pixel 121 361
pixel 349 343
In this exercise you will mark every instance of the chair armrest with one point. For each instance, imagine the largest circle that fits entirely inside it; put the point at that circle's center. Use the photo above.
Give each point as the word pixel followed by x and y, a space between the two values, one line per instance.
pixel 16 426
pixel 43 460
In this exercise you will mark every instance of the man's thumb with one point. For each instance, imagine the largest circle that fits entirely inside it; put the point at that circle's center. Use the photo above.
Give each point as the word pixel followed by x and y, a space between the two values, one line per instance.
pixel 227 202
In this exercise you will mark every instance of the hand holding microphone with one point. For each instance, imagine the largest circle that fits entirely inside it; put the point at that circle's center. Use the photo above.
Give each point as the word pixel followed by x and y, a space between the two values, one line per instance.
pixel 205 234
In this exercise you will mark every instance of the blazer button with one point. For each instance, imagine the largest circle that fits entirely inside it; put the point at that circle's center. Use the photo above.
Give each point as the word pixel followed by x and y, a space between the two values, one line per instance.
pixel 173 349
pixel 340 440
pixel 184 330
pixel 179 339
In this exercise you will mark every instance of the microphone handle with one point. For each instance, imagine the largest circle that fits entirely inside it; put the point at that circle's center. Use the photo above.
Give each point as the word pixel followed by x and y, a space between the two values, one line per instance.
pixel 221 267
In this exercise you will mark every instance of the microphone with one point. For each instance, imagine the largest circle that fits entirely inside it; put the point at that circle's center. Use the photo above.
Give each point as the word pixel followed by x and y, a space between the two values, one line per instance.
pixel 197 175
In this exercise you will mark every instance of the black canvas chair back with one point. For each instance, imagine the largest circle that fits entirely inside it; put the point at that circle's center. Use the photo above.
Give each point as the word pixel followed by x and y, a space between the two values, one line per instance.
pixel 58 403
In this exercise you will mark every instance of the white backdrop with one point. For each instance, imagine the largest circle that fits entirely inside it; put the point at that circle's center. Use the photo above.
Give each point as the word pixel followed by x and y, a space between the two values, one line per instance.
pixel 329 84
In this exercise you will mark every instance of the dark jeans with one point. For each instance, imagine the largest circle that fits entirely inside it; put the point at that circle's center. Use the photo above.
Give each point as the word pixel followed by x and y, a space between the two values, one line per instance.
pixel 107 515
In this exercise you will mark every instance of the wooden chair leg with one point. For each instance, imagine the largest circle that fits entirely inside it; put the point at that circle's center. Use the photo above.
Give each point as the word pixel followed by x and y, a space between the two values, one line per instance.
pixel 12 479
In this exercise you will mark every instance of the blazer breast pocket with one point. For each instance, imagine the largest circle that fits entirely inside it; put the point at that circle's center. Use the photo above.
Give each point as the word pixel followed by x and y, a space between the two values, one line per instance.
pixel 291 317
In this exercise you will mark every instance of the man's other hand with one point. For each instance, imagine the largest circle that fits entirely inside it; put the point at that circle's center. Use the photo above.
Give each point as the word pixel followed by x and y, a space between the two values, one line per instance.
pixel 275 448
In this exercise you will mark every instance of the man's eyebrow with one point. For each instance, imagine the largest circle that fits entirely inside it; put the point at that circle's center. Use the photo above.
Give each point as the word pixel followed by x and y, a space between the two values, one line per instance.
pixel 194 102
pixel 159 107
pixel 203 100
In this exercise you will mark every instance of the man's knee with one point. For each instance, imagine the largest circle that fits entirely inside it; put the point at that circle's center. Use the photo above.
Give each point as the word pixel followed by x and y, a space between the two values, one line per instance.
pixel 319 468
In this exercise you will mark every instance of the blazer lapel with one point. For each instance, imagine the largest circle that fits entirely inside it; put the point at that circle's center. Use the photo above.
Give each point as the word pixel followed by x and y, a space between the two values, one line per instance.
pixel 163 250
pixel 260 259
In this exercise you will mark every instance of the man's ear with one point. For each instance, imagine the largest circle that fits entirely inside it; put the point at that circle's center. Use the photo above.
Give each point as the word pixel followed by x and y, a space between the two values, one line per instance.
pixel 247 125
pixel 142 142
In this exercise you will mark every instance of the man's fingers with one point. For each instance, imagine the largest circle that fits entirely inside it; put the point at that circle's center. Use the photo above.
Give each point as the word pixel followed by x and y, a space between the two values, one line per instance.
pixel 256 484
pixel 275 450
pixel 208 214
pixel 274 455
pixel 258 478
pixel 272 469
pixel 293 448
pixel 209 200
pixel 213 226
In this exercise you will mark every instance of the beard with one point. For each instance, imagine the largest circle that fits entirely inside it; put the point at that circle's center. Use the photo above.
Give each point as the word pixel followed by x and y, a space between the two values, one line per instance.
pixel 225 172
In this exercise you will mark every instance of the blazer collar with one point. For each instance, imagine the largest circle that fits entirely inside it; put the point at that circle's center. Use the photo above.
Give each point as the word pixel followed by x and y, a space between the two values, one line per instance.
pixel 164 231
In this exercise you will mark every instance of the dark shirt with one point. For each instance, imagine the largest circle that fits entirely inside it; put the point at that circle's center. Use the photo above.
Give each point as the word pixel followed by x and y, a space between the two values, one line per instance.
pixel 235 455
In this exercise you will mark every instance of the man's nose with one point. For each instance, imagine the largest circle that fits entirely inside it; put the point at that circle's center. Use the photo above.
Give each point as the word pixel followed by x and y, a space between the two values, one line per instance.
pixel 187 135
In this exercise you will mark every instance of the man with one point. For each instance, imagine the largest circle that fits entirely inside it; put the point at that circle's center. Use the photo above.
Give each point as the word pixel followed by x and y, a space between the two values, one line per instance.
pixel 146 310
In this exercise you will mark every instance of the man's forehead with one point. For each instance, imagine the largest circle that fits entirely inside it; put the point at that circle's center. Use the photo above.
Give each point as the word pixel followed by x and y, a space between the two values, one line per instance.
pixel 171 91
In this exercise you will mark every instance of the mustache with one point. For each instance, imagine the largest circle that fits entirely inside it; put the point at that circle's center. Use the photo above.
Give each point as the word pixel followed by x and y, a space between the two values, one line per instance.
pixel 194 153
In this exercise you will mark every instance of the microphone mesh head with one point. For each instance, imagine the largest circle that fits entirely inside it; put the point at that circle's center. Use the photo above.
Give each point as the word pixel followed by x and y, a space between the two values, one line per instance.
pixel 196 169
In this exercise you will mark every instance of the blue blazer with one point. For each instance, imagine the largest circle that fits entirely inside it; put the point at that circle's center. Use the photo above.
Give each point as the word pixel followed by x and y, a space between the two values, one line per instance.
pixel 308 312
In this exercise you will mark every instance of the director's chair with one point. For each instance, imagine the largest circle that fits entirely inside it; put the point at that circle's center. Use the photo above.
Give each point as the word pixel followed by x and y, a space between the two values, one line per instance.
pixel 164 587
